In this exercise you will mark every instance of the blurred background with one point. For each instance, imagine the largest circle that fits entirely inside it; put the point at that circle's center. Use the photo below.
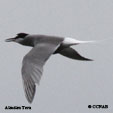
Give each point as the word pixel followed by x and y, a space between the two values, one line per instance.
pixel 67 86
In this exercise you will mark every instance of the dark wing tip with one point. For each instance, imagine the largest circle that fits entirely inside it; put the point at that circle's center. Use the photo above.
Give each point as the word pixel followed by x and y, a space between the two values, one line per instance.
pixel 85 59
pixel 91 60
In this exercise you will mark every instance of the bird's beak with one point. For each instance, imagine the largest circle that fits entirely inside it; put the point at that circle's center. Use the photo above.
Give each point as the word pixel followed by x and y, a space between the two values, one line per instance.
pixel 10 40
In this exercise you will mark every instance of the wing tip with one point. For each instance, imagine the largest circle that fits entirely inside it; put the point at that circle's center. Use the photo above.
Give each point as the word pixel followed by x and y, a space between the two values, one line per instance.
pixel 30 101
pixel 88 59
pixel 30 90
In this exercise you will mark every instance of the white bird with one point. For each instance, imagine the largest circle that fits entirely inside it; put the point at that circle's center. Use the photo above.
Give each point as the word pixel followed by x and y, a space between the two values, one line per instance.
pixel 43 47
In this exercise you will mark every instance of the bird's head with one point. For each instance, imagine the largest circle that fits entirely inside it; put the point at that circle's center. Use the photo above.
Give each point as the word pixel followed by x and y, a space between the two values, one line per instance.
pixel 19 38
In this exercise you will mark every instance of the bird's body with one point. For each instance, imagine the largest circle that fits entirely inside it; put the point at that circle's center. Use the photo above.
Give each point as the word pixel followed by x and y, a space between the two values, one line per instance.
pixel 43 47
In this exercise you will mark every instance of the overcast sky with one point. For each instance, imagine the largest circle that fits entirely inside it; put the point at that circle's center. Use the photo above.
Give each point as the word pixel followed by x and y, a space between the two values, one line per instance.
pixel 67 86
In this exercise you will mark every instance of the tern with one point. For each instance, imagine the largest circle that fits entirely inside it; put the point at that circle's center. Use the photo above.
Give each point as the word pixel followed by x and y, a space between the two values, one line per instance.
pixel 43 47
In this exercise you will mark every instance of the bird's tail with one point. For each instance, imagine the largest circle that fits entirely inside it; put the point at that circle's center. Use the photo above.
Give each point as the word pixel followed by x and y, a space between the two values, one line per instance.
pixel 83 42
pixel 92 41
pixel 70 41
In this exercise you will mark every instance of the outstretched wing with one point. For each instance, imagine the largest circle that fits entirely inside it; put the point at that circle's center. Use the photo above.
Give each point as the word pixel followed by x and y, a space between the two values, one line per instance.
pixel 73 54
pixel 33 66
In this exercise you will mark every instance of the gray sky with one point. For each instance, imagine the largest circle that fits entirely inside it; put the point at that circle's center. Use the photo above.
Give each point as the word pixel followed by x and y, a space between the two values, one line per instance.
pixel 67 86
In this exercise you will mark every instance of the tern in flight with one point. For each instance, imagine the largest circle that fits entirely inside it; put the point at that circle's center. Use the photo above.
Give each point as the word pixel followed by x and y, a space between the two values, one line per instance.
pixel 43 47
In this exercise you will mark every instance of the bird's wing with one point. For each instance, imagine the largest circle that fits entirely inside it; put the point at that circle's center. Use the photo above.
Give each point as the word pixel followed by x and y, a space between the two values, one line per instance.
pixel 73 54
pixel 33 66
